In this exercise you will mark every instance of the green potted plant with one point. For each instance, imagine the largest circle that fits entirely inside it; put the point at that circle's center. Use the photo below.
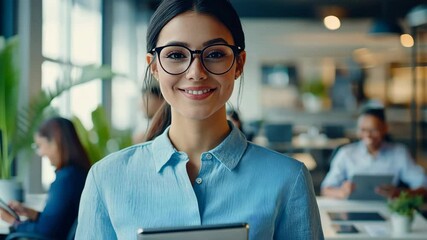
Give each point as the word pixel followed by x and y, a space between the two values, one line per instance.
pixel 17 125
pixel 102 139
pixel 313 93
pixel 402 211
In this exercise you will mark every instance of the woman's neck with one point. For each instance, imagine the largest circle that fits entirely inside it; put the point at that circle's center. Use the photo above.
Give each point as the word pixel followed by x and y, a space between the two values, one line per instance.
pixel 197 136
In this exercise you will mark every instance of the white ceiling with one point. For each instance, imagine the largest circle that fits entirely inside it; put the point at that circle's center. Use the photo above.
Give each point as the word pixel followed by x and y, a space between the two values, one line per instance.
pixel 287 39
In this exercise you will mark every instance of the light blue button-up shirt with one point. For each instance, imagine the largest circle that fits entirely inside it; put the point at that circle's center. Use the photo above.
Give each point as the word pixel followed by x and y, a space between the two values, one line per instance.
pixel 147 185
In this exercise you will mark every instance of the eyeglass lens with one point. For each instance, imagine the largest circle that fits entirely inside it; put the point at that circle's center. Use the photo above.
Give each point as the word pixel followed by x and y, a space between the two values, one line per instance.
pixel 217 59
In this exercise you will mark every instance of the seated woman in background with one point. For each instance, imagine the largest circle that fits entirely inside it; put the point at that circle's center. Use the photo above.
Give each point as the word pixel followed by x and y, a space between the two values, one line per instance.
pixel 372 155
pixel 57 140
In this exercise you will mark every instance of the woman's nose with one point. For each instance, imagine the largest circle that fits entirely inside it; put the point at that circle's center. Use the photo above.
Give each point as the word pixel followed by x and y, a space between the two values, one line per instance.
pixel 196 71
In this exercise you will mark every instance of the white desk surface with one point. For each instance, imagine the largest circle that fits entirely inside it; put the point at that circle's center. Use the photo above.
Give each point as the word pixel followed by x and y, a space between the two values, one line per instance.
pixel 35 201
pixel 419 226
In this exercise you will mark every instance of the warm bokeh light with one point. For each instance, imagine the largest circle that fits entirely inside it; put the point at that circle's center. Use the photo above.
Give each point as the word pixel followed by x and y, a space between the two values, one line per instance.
pixel 406 40
pixel 332 22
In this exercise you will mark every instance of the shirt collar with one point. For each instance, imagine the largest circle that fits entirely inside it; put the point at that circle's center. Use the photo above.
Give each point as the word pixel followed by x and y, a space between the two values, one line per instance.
pixel 228 152
pixel 364 149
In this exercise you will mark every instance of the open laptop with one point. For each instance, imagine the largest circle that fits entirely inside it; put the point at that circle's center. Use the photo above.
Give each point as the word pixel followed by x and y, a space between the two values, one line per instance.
pixel 366 184
pixel 231 231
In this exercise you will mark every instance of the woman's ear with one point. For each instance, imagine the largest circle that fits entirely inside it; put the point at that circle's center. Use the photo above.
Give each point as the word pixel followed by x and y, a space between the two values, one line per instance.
pixel 240 64
pixel 152 65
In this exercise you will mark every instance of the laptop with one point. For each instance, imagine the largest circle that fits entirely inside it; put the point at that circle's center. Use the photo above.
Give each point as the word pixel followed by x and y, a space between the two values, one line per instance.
pixel 231 231
pixel 366 184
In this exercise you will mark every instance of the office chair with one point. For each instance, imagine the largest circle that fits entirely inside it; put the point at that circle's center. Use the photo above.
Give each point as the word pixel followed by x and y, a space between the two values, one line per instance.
pixel 279 136
pixel 35 236
pixel 334 130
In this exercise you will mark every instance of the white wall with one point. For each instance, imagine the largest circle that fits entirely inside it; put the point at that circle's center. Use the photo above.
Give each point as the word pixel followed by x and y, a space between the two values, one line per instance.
pixel 309 45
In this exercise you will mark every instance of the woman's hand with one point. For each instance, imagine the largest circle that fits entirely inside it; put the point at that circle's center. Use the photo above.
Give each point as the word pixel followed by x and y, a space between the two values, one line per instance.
pixel 5 216
pixel 21 210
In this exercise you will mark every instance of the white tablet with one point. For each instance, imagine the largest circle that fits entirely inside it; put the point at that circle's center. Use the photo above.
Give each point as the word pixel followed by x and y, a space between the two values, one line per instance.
pixel 4 206
pixel 366 184
pixel 231 231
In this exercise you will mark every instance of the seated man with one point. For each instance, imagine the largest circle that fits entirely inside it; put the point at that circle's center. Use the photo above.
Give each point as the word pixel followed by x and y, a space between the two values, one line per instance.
pixel 372 155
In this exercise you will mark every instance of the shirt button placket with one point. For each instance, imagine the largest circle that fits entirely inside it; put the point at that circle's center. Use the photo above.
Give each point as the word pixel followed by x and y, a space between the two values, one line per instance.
pixel 199 180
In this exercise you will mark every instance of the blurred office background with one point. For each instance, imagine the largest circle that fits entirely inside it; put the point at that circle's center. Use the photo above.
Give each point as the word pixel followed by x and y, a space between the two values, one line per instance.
pixel 311 65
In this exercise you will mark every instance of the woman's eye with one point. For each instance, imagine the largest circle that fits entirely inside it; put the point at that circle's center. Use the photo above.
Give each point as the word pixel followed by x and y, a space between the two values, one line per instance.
pixel 176 55
pixel 215 54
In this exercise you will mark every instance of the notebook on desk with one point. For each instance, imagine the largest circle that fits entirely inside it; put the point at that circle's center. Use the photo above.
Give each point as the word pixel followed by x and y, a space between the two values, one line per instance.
pixel 366 184
pixel 232 231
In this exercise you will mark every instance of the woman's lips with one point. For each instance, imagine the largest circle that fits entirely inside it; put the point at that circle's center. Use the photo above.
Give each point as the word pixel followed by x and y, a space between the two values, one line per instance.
pixel 198 93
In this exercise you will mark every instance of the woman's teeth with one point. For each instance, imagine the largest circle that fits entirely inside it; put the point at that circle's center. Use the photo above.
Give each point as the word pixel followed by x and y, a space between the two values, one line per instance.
pixel 197 92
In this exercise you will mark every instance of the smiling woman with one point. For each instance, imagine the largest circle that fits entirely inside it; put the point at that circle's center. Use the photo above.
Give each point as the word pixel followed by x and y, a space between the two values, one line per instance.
pixel 197 172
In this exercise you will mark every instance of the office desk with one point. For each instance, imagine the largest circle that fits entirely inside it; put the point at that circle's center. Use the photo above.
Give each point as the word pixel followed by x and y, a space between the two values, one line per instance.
pixel 35 201
pixel 419 226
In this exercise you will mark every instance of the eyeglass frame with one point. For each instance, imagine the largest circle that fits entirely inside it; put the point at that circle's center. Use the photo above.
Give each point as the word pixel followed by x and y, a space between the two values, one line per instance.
pixel 236 51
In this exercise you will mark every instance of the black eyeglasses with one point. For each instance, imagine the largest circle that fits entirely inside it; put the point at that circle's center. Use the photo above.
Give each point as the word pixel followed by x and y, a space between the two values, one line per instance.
pixel 216 59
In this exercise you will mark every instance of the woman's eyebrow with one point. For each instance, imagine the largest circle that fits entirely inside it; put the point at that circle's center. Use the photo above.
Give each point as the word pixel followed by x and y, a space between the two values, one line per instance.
pixel 177 43
pixel 207 43
pixel 214 41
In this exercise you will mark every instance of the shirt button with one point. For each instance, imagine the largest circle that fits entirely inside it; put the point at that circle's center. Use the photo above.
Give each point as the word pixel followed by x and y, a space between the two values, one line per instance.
pixel 209 156
pixel 199 180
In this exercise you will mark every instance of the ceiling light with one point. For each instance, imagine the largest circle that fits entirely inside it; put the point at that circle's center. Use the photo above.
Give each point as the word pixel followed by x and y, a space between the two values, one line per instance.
pixel 417 16
pixel 332 22
pixel 406 40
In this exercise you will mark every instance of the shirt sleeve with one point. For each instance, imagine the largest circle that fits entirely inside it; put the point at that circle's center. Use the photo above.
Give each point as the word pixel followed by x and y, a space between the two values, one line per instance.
pixel 93 219
pixel 300 218
pixel 411 173
pixel 337 173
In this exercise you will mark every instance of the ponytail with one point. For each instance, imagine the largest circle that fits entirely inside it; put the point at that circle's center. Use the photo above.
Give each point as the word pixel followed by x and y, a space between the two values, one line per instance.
pixel 161 120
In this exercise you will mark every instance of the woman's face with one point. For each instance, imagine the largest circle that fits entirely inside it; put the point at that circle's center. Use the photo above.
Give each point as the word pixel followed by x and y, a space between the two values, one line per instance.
pixel 46 148
pixel 371 131
pixel 196 93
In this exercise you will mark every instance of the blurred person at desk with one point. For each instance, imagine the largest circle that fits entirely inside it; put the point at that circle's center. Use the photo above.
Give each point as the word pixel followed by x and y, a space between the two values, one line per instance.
pixel 57 140
pixel 152 101
pixel 373 154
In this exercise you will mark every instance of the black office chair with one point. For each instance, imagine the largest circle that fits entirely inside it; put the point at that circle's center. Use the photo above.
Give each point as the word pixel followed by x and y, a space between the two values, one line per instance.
pixel 279 136
pixel 35 236
pixel 334 130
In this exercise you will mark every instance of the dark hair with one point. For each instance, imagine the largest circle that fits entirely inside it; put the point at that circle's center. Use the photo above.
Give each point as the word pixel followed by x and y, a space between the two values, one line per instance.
pixel 222 10
pixel 375 112
pixel 64 134
pixel 235 116
pixel 161 120
pixel 153 88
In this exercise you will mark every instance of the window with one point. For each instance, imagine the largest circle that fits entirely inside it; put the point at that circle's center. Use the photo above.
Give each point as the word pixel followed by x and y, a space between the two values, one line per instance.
pixel 71 38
